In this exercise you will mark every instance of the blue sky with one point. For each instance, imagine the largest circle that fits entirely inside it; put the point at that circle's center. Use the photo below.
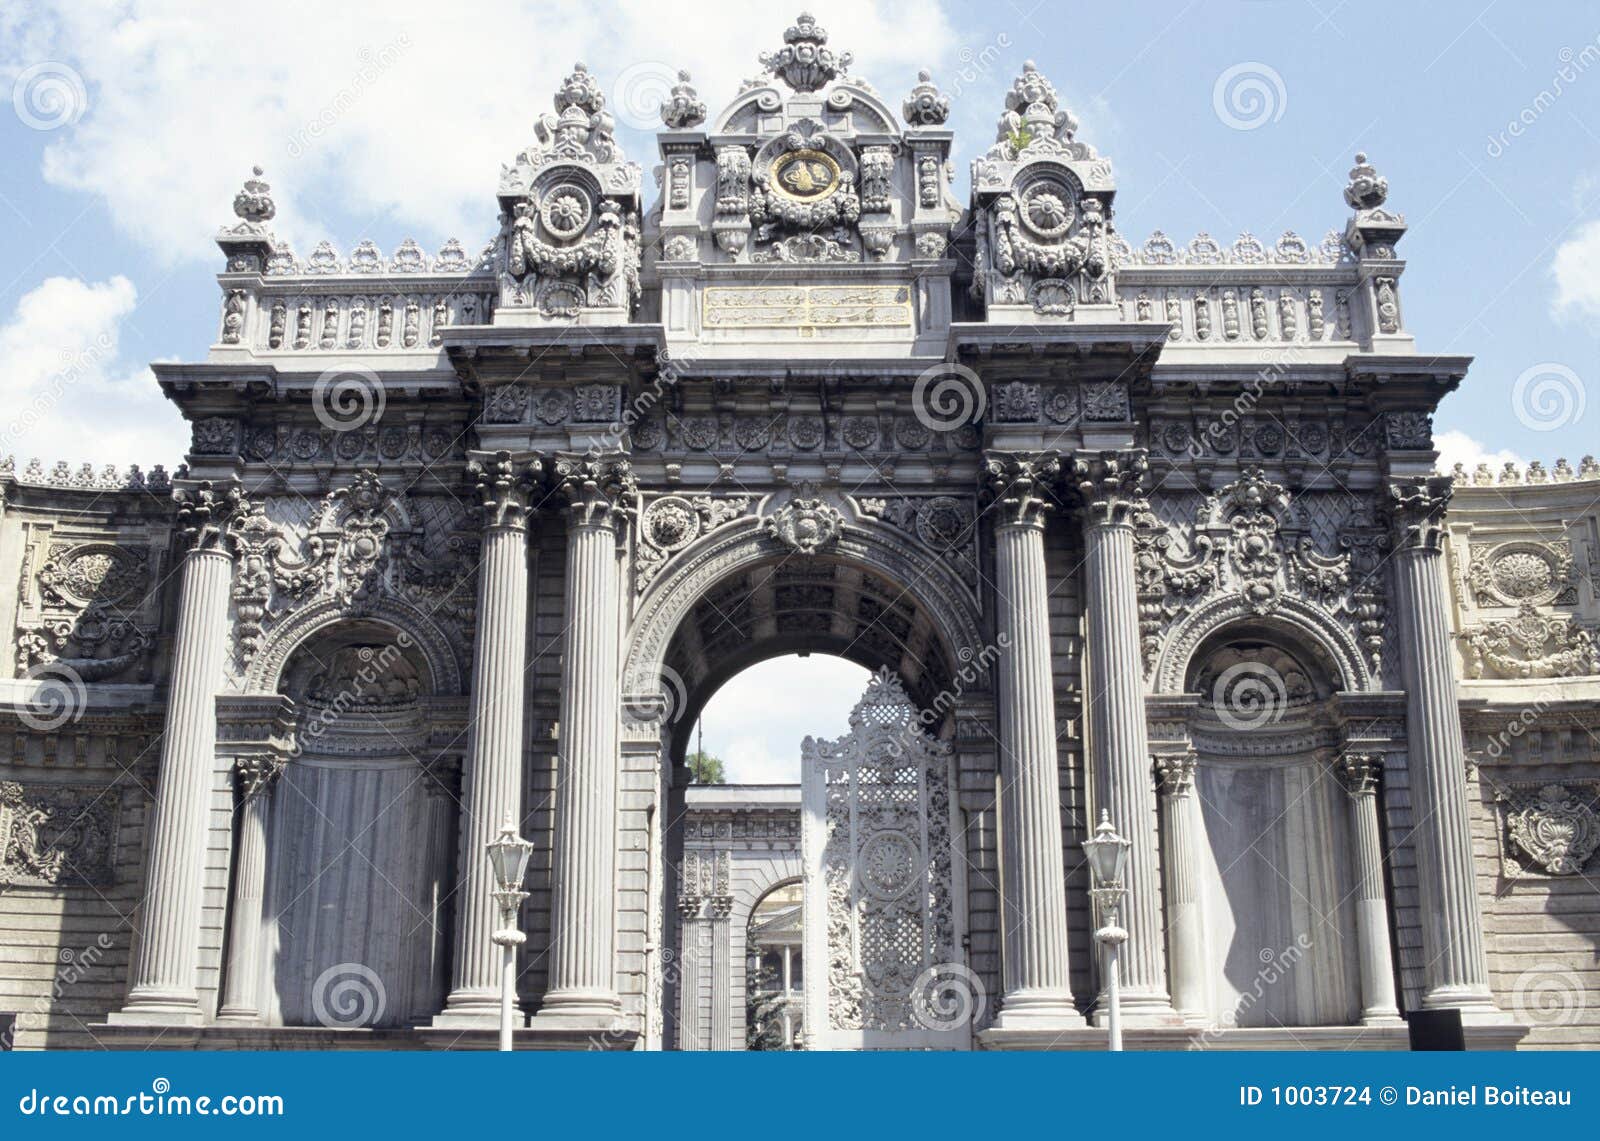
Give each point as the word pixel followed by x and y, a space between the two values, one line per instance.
pixel 132 125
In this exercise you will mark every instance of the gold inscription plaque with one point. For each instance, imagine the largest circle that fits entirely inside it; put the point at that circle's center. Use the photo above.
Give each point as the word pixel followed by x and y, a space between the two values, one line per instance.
pixel 806 175
pixel 807 307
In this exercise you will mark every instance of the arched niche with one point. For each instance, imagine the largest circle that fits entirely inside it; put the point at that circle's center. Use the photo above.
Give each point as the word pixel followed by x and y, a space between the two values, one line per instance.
pixel 362 837
pixel 1274 855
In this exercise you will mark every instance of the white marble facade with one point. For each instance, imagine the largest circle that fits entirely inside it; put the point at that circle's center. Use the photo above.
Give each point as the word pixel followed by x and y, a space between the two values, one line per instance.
pixel 1145 528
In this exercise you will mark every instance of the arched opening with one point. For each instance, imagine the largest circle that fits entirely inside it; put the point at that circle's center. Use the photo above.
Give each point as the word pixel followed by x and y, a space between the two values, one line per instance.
pixel 782 618
pixel 775 970
pixel 361 839
pixel 1274 859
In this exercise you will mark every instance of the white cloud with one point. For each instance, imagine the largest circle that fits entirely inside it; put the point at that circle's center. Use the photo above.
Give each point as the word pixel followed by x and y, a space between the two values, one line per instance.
pixel 1577 271
pixel 757 720
pixel 399 113
pixel 1459 448
pixel 62 382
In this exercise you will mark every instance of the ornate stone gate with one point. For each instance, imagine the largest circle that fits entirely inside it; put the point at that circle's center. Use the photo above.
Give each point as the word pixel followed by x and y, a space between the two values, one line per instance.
pixel 884 910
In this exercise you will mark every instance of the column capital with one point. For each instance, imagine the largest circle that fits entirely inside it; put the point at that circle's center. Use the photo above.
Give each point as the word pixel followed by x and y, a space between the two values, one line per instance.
pixel 255 775
pixel 1416 512
pixel 1020 485
pixel 1175 773
pixel 1110 485
pixel 208 512
pixel 506 485
pixel 1359 772
pixel 598 487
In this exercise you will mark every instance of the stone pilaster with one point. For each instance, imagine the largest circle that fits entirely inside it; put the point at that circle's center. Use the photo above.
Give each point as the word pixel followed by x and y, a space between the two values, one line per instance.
pixel 721 973
pixel 164 990
pixel 494 746
pixel 1180 857
pixel 1038 990
pixel 1108 485
pixel 599 490
pixel 1456 972
pixel 1359 774
pixel 254 778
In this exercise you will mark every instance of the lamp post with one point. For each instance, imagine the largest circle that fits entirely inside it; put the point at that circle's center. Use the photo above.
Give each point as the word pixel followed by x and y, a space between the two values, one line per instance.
pixel 508 858
pixel 1107 853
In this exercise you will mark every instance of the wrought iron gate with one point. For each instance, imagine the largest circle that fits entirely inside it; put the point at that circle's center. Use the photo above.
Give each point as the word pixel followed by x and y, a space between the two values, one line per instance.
pixel 884 899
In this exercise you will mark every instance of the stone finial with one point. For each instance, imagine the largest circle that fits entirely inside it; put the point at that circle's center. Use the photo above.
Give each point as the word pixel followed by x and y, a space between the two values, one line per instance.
pixel 254 203
pixel 580 90
pixel 1367 189
pixel 926 106
pixel 805 62
pixel 683 108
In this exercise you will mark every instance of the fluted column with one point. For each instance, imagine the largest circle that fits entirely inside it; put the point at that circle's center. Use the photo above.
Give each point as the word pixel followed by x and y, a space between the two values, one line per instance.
pixel 1180 857
pixel 1038 989
pixel 164 990
pixel 241 998
pixel 494 744
pixel 1108 485
pixel 600 491
pixel 1456 972
pixel 1359 774
pixel 721 973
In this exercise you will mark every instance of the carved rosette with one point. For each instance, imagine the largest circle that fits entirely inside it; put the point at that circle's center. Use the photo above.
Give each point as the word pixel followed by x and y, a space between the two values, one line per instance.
pixel 1110 486
pixel 1417 508
pixel 505 487
pixel 598 487
pixel 1021 487
pixel 805 526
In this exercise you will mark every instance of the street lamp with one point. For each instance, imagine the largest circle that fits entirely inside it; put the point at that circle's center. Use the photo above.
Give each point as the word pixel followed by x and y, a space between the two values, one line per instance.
pixel 508 858
pixel 1108 862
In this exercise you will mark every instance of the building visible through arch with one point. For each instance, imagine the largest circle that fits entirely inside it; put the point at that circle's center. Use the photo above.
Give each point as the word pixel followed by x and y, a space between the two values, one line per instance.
pixel 1150 529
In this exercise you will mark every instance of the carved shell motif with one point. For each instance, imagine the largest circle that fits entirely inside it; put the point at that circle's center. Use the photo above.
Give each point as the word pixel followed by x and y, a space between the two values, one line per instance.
pixel 1556 831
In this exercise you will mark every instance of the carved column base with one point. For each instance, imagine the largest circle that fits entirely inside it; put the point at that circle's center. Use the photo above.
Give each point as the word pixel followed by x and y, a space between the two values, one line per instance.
pixel 1038 1010
pixel 157 1010
pixel 598 1011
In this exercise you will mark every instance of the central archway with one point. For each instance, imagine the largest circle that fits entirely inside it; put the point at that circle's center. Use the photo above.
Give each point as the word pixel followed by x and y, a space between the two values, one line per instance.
pixel 740 596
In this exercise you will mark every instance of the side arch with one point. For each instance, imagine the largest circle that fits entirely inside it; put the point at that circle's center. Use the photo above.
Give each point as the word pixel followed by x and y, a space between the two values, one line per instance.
pixel 265 671
pixel 1295 616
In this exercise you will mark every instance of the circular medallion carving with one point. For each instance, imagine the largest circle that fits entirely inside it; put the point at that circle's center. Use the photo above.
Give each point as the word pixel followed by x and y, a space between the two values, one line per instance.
pixel 941 522
pixel 805 432
pixel 1521 575
pixel 566 211
pixel 889 864
pixel 671 523
pixel 554 406
pixel 805 175
pixel 1047 210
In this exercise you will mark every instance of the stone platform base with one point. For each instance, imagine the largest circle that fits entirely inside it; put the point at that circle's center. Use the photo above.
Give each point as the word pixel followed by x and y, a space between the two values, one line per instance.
pixel 1388 1037
pixel 225 1037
